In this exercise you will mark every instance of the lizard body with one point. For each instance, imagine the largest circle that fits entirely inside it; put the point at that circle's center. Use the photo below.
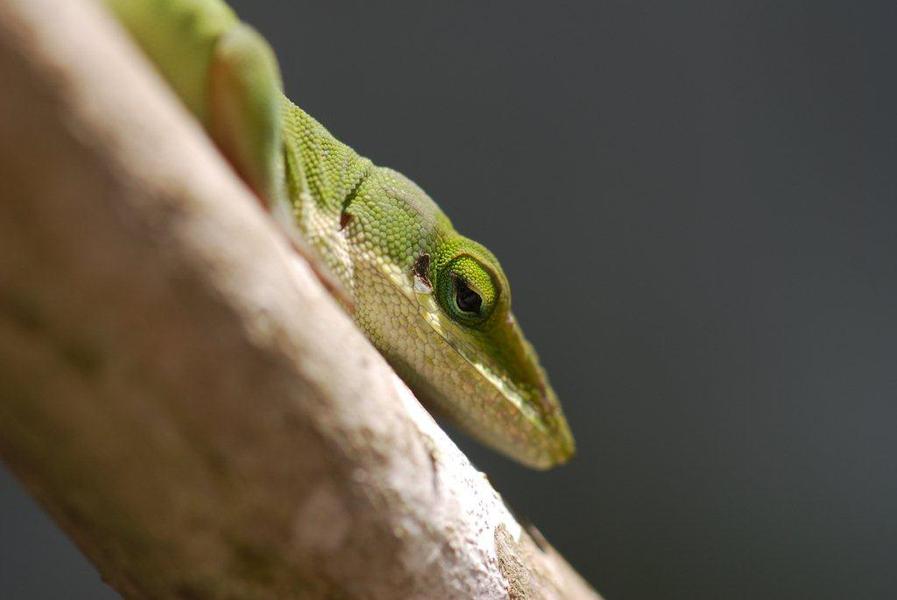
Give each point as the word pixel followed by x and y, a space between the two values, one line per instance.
pixel 435 303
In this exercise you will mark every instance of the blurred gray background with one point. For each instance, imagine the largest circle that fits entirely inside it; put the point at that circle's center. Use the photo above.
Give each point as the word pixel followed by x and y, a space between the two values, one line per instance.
pixel 696 205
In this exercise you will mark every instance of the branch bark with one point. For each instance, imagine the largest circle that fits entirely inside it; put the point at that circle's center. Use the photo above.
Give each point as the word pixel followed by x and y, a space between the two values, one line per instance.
pixel 176 387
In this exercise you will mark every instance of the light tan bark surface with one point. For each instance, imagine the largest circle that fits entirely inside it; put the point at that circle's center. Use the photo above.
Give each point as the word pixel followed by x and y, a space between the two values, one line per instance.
pixel 176 387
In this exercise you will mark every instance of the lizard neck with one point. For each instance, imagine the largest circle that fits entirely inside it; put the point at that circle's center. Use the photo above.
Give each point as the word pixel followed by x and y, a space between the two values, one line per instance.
pixel 322 176
pixel 329 171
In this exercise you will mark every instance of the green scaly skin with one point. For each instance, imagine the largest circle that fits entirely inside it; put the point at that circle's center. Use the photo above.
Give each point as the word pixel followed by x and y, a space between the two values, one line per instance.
pixel 436 304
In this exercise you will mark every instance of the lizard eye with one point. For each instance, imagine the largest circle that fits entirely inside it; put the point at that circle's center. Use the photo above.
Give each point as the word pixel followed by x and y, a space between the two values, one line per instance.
pixel 467 291
pixel 466 299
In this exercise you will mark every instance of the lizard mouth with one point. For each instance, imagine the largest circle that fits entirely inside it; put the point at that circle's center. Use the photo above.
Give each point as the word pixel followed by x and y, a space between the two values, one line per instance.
pixel 520 415
pixel 502 398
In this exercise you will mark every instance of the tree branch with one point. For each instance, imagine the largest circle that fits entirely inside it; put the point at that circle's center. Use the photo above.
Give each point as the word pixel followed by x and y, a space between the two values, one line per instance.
pixel 177 388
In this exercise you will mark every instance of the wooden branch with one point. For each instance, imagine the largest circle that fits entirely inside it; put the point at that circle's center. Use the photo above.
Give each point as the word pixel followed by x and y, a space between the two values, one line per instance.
pixel 177 388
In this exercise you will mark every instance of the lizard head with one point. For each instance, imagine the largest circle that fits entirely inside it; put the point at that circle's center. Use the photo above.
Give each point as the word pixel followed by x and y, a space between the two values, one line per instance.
pixel 494 386
pixel 438 306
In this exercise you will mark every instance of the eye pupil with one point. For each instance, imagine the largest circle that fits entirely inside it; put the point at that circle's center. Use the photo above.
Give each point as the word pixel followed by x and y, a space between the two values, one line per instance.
pixel 467 299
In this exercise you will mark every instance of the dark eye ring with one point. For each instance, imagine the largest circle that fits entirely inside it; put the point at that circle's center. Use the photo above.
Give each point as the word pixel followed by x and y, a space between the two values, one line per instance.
pixel 466 299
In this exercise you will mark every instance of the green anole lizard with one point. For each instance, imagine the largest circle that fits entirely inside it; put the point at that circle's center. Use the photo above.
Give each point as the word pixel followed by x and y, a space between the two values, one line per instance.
pixel 436 304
